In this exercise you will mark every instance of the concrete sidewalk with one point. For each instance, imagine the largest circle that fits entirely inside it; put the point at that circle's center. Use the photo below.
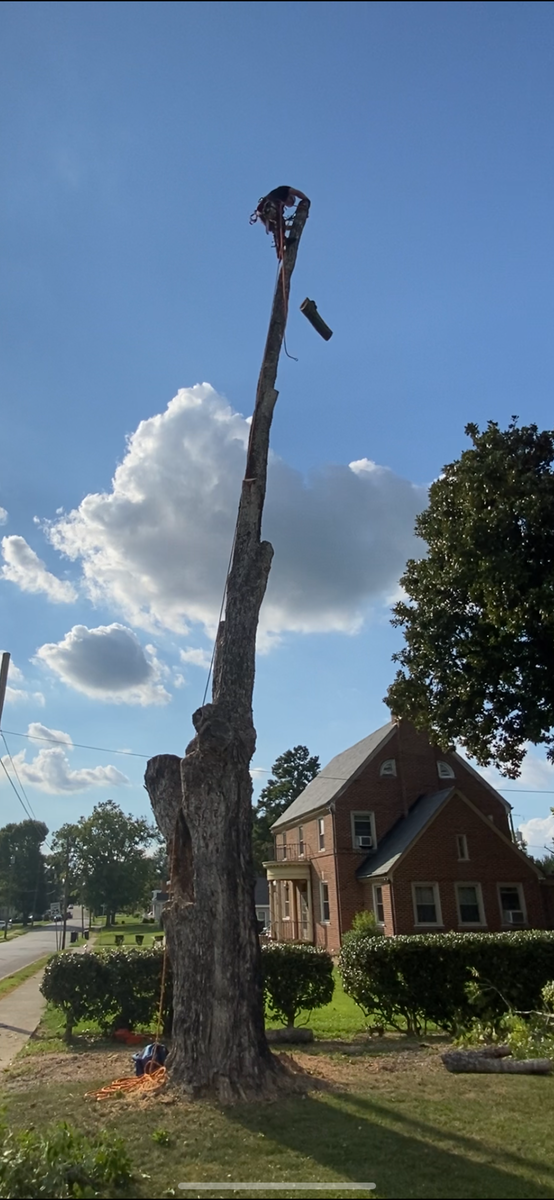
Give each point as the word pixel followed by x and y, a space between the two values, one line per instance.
pixel 20 1013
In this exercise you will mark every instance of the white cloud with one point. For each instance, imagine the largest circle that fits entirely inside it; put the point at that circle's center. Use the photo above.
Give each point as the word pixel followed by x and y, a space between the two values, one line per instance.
pixel 157 545
pixel 538 832
pixel 107 663
pixel 198 658
pixel 3 516
pixel 537 774
pixel 28 571
pixel 20 696
pixel 50 771
pixel 38 730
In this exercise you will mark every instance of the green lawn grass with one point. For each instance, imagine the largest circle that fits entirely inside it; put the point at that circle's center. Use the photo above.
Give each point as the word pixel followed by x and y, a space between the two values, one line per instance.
pixel 414 1135
pixel 414 1130
pixel 10 982
pixel 342 1018
pixel 128 930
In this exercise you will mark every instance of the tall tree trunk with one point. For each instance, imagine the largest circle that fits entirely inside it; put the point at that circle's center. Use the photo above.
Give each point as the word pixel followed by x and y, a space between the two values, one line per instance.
pixel 203 804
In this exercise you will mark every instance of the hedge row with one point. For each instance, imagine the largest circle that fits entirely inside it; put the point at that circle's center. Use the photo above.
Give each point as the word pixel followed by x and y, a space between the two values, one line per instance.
pixel 121 988
pixel 448 979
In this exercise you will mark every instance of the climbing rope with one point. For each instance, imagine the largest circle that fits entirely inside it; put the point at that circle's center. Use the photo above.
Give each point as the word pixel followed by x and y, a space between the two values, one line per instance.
pixel 146 1084
pixel 153 1079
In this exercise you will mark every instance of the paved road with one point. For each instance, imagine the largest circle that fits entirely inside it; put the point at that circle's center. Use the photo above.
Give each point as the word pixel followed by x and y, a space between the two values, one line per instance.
pixel 20 951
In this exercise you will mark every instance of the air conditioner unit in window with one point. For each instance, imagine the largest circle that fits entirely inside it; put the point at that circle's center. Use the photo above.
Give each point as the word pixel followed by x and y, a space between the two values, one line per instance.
pixel 365 842
pixel 515 917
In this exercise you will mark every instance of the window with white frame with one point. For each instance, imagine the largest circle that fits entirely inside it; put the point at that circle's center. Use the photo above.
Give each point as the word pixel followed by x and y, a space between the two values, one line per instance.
pixel 362 830
pixel 445 771
pixel 512 904
pixel 378 905
pixel 321 833
pixel 427 910
pixel 324 901
pixel 301 841
pixel 286 901
pixel 388 768
pixel 470 904
pixel 284 847
pixel 461 846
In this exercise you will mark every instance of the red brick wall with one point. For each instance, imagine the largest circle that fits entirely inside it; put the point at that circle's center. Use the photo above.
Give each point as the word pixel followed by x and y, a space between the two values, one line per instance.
pixel 433 859
pixel 389 926
pixel 388 798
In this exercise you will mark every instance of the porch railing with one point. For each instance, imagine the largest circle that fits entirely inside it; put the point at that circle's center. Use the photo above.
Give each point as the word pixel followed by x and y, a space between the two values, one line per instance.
pixel 291 931
pixel 291 852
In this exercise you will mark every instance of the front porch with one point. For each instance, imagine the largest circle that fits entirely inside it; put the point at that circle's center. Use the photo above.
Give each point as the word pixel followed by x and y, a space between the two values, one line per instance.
pixel 290 896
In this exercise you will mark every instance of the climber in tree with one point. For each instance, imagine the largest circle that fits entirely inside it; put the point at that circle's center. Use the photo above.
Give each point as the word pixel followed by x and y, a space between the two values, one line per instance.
pixel 271 212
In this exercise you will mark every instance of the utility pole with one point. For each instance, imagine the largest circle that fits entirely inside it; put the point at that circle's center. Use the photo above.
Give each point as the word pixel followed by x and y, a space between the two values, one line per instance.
pixel 4 668
pixel 203 803
pixel 65 891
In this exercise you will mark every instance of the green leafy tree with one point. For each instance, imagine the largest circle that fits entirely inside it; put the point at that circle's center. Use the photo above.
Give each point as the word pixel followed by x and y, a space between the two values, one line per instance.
pixel 110 859
pixel 22 874
pixel 291 773
pixel 477 666
pixel 65 864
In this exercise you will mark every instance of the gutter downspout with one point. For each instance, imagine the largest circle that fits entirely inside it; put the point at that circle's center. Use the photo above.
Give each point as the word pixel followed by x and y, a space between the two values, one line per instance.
pixel 337 884
pixel 390 882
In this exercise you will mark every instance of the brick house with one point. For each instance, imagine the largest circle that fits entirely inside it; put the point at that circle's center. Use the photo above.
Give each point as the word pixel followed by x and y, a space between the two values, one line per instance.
pixel 416 835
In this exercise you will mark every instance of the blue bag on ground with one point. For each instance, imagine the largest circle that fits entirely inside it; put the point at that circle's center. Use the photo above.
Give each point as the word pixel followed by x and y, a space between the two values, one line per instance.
pixel 149 1059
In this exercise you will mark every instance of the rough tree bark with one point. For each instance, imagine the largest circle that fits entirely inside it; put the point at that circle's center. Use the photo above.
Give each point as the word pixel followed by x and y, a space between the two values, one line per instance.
pixel 203 804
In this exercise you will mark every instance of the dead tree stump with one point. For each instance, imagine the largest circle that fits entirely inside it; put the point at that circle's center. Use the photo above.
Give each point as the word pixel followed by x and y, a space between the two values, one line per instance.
pixel 203 805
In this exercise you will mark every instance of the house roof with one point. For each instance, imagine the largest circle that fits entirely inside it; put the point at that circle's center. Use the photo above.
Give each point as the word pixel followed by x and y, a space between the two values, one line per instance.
pixel 464 763
pixel 333 778
pixel 401 836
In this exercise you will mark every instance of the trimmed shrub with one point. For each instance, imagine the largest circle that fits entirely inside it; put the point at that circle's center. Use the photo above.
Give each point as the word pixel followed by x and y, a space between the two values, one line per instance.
pixel 297 978
pixel 117 988
pixel 448 979
pixel 76 983
pixel 61 1162
pixel 120 987
pixel 364 924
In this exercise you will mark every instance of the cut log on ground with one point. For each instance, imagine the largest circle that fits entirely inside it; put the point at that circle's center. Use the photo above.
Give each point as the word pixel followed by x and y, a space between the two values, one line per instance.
pixel 473 1061
pixel 492 1051
pixel 290 1036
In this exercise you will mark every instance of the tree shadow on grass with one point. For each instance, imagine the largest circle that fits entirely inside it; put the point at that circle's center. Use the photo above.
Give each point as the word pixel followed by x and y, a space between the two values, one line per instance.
pixel 366 1047
pixel 352 1137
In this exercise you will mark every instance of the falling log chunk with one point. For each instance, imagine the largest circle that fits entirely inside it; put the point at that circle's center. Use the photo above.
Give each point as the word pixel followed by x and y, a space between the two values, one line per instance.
pixel 475 1061
pixel 309 308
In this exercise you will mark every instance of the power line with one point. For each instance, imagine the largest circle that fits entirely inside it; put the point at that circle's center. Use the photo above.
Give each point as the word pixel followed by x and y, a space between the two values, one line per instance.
pixel 17 774
pixel 33 737
pixel 10 780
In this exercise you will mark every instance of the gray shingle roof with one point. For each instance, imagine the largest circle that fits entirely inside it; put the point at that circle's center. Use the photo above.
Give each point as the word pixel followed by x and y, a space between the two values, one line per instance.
pixel 332 779
pixel 396 842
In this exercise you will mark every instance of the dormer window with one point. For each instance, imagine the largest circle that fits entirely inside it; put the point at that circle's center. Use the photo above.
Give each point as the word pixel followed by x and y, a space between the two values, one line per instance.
pixel 445 770
pixel 388 768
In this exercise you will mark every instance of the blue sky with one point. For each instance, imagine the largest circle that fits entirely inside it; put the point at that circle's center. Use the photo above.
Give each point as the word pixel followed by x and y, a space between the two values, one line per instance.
pixel 137 140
